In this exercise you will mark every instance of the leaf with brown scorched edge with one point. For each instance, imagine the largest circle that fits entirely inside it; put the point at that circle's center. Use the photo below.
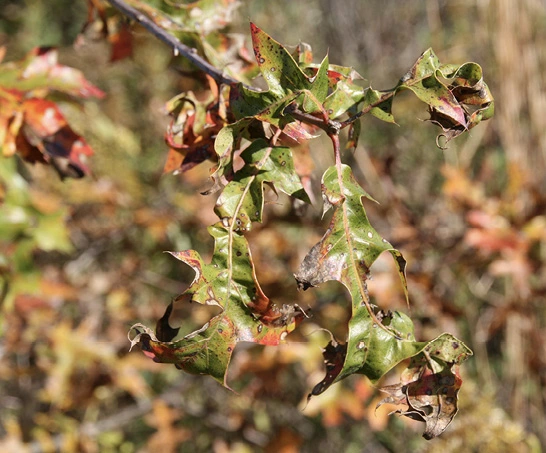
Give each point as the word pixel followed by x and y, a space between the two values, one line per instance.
pixel 345 254
pixel 229 282
pixel 285 80
pixel 349 238
pixel 242 200
pixel 430 385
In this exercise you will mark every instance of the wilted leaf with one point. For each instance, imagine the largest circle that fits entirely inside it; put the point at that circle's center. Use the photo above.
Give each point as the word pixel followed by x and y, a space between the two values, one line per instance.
pixel 377 340
pixel 472 93
pixel 423 80
pixel 430 385
pixel 456 95
pixel 193 130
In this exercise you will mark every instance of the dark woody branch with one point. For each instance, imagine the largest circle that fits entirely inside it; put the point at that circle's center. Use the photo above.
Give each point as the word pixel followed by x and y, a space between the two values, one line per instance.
pixel 178 47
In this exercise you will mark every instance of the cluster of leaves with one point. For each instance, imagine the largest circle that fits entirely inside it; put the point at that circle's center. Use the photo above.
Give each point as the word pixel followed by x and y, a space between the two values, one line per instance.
pixel 246 128
pixel 245 131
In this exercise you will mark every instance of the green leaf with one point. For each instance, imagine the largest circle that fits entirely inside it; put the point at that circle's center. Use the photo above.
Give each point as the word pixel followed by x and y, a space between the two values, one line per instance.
pixel 229 282
pixel 227 141
pixel 278 67
pixel 345 96
pixel 381 110
pixel 286 82
pixel 231 271
pixel 242 200
pixel 376 342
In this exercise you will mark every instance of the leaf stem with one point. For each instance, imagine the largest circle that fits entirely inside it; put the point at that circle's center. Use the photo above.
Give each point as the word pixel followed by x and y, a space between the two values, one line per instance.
pixel 337 153
pixel 179 48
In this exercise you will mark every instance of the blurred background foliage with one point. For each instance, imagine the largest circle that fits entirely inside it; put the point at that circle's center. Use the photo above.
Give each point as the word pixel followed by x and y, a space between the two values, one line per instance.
pixel 81 260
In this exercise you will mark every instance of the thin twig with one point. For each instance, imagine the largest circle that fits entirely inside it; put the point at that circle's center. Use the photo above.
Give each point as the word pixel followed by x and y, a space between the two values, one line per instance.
pixel 328 126
pixel 178 47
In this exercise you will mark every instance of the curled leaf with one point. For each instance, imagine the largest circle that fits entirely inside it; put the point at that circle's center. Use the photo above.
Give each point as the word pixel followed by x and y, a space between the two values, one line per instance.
pixel 193 130
pixel 456 95
pixel 430 385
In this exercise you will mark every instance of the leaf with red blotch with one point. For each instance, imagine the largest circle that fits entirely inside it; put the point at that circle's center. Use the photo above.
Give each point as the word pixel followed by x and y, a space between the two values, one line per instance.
pixel 34 127
pixel 122 42
pixel 44 136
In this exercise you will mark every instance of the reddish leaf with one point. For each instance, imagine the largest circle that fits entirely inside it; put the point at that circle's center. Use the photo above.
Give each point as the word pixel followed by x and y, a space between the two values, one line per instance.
pixel 43 68
pixel 193 130
pixel 45 136
pixel 122 43
pixel 34 127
